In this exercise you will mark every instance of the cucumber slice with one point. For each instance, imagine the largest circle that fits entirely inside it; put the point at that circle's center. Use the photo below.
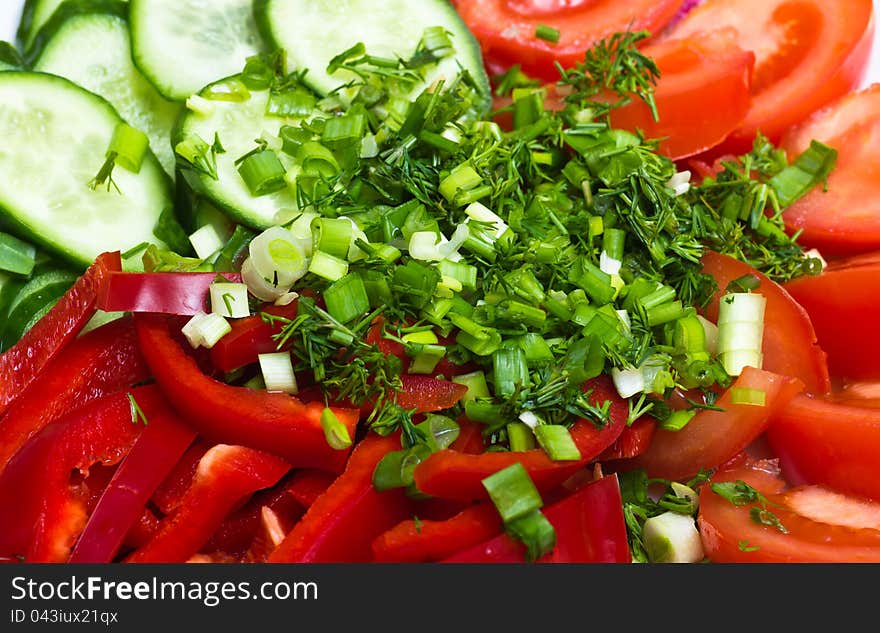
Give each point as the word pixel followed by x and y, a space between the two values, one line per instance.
pixel 237 124
pixel 37 285
pixel 34 15
pixel 313 32
pixel 183 45
pixel 9 57
pixel 30 310
pixel 55 137
pixel 87 42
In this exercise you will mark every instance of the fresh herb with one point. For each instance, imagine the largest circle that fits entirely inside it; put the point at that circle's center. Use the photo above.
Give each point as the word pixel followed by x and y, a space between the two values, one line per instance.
pixel 137 414
pixel 740 493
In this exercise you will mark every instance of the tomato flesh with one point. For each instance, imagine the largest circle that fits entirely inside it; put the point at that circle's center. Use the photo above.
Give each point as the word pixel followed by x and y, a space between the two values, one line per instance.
pixel 807 52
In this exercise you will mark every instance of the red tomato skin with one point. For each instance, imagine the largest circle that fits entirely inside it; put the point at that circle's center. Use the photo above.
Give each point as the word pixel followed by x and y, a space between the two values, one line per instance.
pixel 844 218
pixel 730 535
pixel 790 343
pixel 843 307
pixel 796 43
pixel 713 437
pixel 506 29
pixel 831 443
pixel 703 94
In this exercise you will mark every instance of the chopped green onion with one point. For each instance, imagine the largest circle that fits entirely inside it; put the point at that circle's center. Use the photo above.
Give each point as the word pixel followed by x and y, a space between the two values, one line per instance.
pixel 335 432
pixel 206 241
pixel 233 90
pixel 557 442
pixel 328 266
pixel 262 173
pixel 475 382
pixel 808 170
pixel 672 538
pixel 332 236
pixel 689 335
pixel 440 430
pixel 520 437
pixel 387 474
pixel 262 288
pixel 427 358
pixel 509 371
pixel 535 531
pixel 677 420
pixel 278 257
pixel 596 283
pixel 547 33
pixel 741 331
pixel 513 492
pixel 16 256
pixel 129 146
pixel 742 395
pixel 466 274
pixel 346 298
pixel 317 160
pixel 462 179
pixel 204 330
pixel 291 104
pixel 343 130
pixel 230 300
pixel 536 349
pixel 277 370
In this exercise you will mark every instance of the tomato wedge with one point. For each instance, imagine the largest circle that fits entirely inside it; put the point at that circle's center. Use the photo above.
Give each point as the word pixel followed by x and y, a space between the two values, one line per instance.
pixel 808 53
pixel 821 526
pixel 713 437
pixel 703 94
pixel 845 218
pixel 842 304
pixel 506 28
pixel 790 342
pixel 832 443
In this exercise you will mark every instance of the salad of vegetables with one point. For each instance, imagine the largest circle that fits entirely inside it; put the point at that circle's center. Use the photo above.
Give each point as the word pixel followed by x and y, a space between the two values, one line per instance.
pixel 472 281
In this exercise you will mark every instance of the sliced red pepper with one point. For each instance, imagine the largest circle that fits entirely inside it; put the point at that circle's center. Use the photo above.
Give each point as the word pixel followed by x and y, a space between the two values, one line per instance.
pixel 272 422
pixel 309 484
pixel 249 338
pixel 633 441
pixel 168 293
pixel 425 393
pixel 121 506
pixel 449 474
pixel 470 437
pixel 22 363
pixel 100 362
pixel 142 531
pixel 416 541
pixel 226 475
pixel 40 514
pixel 342 523
pixel 589 525
pixel 169 493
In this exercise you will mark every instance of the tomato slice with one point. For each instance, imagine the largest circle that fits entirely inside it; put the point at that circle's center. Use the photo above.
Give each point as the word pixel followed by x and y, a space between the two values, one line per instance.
pixel 842 304
pixel 808 53
pixel 703 94
pixel 506 28
pixel 712 438
pixel 845 218
pixel 821 525
pixel 790 342
pixel 836 444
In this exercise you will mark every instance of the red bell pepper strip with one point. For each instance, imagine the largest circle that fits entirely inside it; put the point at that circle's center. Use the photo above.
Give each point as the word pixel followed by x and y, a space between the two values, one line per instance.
pixel 633 441
pixel 250 337
pixel 309 484
pixel 342 523
pixel 121 506
pixel 470 437
pixel 141 532
pixel 169 493
pixel 589 525
pixel 226 475
pixel 100 362
pixel 168 293
pixel 272 422
pixel 413 541
pixel 23 362
pixel 40 514
pixel 449 474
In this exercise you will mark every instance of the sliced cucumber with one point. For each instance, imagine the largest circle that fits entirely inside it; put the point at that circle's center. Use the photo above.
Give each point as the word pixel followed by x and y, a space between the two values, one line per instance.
pixel 55 137
pixel 183 45
pixel 87 42
pixel 9 57
pixel 237 124
pixel 34 15
pixel 313 32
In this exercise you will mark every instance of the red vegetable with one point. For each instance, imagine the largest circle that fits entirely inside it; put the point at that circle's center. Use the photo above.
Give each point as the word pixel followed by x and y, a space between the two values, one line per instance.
pixel 449 474
pixel 820 525
pixel 342 523
pixel 250 337
pixel 22 363
pixel 308 485
pixel 273 422
pixel 713 437
pixel 633 441
pixel 415 541
pixel 226 476
pixel 794 44
pixel 168 293
pixel 155 452
pixel 506 29
pixel 169 493
pixel 40 513
pixel 589 529
pixel 100 362
pixel 790 344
